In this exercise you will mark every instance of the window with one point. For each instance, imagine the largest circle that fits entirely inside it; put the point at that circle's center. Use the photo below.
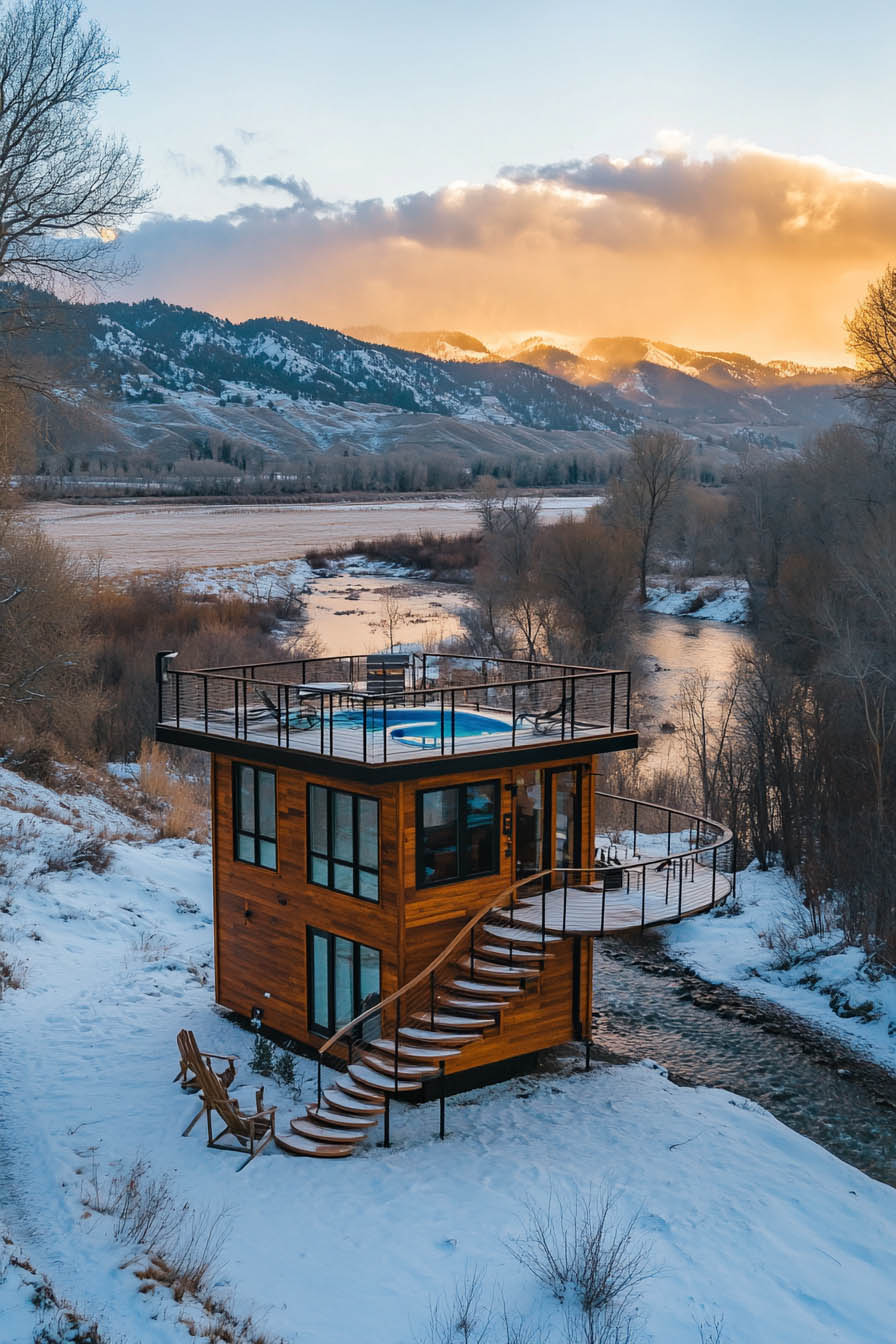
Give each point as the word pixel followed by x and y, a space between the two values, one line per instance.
pixel 344 842
pixel 343 981
pixel 457 833
pixel 255 815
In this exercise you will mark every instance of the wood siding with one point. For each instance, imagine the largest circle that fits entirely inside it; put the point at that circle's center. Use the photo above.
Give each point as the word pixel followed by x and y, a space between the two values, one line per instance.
pixel 262 917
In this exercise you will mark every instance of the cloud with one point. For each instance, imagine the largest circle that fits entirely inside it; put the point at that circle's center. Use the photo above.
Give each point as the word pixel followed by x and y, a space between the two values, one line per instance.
pixel 739 248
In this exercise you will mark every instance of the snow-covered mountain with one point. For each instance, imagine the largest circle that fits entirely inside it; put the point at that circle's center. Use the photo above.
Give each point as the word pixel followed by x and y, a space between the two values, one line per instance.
pixel 694 389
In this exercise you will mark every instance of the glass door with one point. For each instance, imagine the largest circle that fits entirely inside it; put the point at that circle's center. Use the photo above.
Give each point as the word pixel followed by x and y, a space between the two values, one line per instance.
pixel 563 840
pixel 547 820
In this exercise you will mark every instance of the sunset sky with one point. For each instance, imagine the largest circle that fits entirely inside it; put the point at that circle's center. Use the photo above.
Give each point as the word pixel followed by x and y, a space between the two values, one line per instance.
pixel 719 179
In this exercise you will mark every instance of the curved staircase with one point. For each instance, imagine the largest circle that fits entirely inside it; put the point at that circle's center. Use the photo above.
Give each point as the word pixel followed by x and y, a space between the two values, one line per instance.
pixel 491 963
pixel 501 962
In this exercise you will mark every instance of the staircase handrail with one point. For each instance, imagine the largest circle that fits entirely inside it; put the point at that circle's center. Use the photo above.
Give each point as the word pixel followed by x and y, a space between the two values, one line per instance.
pixel 498 904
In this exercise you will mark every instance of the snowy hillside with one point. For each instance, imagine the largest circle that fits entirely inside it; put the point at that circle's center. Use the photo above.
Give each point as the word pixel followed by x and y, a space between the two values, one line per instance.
pixel 744 1223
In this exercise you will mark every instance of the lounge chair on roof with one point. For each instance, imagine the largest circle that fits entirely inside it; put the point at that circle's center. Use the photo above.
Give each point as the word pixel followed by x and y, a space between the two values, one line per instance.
pixel 300 716
pixel 546 721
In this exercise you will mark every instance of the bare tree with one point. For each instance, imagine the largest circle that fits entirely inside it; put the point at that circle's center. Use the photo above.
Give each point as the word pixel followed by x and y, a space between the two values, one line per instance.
pixel 651 475
pixel 65 189
pixel 871 340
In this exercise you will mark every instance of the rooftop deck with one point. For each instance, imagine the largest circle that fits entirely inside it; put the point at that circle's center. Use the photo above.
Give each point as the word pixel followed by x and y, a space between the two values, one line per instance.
pixel 381 710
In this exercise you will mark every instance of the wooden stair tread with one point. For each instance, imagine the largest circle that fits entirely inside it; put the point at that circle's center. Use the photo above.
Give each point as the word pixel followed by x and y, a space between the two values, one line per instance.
pixel 404 1071
pixel 342 1119
pixel 301 1147
pixel 413 1053
pixel 449 1022
pixel 489 970
pixel 363 1074
pixel 455 1000
pixel 352 1105
pixel 311 1129
pixel 361 1091
pixel 432 1036
pixel 512 933
pixel 479 987
pixel 508 955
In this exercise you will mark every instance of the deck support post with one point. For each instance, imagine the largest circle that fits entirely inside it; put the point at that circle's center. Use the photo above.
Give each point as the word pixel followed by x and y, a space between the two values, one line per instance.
pixel 441 1099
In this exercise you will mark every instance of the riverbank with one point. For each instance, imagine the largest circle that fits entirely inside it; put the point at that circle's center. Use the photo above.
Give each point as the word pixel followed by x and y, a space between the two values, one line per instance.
pixel 765 949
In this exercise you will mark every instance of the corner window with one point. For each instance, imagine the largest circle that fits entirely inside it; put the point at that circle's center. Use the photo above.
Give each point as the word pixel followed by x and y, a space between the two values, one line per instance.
pixel 344 842
pixel 255 815
pixel 343 982
pixel 457 833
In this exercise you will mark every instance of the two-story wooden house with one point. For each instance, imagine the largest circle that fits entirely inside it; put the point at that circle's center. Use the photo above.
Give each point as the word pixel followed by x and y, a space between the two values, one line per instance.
pixel 405 872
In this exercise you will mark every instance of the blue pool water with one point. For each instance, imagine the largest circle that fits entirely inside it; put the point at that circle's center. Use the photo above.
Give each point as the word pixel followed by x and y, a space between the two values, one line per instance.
pixel 414 725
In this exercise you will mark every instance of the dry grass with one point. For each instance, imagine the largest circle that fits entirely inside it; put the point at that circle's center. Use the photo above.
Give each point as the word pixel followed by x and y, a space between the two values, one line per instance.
pixel 178 803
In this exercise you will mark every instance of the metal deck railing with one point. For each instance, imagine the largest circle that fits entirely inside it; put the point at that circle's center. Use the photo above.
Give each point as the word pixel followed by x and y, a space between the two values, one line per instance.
pixel 340 707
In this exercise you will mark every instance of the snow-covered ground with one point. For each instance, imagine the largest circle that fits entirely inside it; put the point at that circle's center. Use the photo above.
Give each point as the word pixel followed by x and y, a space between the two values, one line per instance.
pixel 827 983
pixel 742 1218
pixel 708 599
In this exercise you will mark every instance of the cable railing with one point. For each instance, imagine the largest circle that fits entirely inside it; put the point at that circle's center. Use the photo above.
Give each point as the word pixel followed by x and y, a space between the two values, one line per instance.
pixel 442 705
pixel 677 878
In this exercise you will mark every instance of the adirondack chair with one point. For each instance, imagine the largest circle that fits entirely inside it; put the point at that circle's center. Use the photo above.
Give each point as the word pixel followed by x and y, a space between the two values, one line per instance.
pixel 189 1051
pixel 250 1131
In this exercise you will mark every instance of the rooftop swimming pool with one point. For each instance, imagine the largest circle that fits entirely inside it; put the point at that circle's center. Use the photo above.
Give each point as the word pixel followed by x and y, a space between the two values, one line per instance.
pixel 423 725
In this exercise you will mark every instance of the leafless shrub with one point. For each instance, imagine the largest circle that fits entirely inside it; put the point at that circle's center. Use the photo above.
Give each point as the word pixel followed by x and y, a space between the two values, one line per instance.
pixel 12 973
pixel 588 1254
pixel 184 1245
pixel 80 851
pixel 150 947
pixel 462 1317
pixel 711 1330
pixel 68 1327
pixel 179 802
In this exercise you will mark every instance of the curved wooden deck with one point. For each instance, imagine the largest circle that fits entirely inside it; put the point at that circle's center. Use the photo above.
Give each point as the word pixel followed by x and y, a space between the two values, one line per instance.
pixel 497 957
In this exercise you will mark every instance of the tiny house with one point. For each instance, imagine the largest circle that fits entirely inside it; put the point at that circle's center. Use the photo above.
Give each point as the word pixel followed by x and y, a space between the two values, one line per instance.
pixel 405 874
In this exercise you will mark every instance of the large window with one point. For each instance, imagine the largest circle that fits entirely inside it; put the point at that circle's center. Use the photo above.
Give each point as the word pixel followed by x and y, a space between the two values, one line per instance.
pixel 344 842
pixel 343 981
pixel 457 832
pixel 255 815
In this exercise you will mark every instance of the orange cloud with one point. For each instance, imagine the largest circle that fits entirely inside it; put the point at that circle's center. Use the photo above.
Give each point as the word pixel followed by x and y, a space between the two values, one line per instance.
pixel 742 250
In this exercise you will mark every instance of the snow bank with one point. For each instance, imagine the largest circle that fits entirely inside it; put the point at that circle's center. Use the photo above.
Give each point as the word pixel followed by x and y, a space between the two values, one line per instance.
pixel 742 1218
pixel 708 599
pixel 734 950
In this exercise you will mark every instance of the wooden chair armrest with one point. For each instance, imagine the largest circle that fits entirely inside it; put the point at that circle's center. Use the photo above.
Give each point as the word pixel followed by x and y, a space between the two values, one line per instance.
pixel 230 1058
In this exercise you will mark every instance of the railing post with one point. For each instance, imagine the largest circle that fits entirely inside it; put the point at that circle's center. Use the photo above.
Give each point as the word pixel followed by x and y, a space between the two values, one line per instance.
pixel 205 702
pixel 442 722
pixel 512 714
pixel 472 953
pixel 331 716
pixel 236 708
pixel 319 1094
pixel 603 907
pixel 177 699
pixel 628 700
pixel 572 708
pixel 643 895
pixel 733 865
pixel 364 729
pixel 453 712
pixel 279 714
pixel 441 1098
pixel 635 831
pixel 397 1019
pixel 565 894
pixel 680 880
pixel 715 855
pixel 612 702
pixel 668 831
pixel 386 1140
pixel 432 994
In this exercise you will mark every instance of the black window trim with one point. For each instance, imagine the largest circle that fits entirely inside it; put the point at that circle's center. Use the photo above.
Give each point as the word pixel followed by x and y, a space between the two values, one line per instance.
pixel 255 835
pixel 462 874
pixel 356 866
pixel 317 1028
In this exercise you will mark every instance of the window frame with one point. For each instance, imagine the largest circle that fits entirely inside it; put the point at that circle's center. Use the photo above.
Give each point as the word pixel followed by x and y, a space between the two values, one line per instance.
pixel 329 858
pixel 318 1028
pixel 463 874
pixel 256 835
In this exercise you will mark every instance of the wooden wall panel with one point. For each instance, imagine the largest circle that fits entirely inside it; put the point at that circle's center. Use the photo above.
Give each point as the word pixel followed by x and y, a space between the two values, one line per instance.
pixel 261 917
